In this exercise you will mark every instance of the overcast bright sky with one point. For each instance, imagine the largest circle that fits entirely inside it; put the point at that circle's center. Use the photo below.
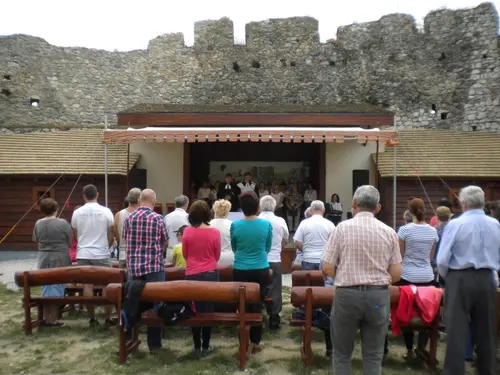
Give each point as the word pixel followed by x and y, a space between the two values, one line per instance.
pixel 130 24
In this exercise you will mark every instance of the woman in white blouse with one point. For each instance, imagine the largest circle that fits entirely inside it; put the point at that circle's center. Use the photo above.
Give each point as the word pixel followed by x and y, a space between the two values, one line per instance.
pixel 221 210
pixel 334 209
pixel 279 198
pixel 310 195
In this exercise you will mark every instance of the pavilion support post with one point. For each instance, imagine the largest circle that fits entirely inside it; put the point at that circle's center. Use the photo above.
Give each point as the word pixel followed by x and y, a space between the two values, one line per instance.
pixel 128 168
pixel 394 182
pixel 377 180
pixel 106 164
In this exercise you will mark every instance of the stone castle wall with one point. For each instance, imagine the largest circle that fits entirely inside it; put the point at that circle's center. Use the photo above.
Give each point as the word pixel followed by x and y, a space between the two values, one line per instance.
pixel 452 66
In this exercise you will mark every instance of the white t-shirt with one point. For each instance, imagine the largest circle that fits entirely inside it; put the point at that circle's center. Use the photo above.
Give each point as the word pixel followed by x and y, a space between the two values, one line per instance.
pixel 313 233
pixel 92 222
pixel 246 187
pixel 280 232
pixel 122 216
pixel 173 221
pixel 224 227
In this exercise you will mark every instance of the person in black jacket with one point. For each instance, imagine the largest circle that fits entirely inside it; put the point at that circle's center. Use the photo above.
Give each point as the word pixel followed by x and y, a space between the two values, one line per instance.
pixel 229 191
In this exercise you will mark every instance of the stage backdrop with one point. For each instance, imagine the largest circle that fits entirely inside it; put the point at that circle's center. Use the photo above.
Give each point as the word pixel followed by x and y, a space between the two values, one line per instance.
pixel 262 171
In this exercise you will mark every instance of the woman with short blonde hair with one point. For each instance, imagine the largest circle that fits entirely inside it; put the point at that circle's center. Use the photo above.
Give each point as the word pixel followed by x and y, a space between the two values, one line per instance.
pixel 220 221
pixel 221 208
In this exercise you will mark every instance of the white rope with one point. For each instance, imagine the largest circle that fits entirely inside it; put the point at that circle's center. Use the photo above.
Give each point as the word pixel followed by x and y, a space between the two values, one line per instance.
pixel 99 142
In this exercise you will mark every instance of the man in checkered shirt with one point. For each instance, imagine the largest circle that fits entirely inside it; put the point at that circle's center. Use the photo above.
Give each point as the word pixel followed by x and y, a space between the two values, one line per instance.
pixel 146 237
pixel 363 256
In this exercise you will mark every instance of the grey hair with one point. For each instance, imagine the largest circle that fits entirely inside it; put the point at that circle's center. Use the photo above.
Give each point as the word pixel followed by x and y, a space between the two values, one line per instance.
pixel 407 216
pixel 134 195
pixel 367 197
pixel 181 201
pixel 307 213
pixel 473 196
pixel 267 203
pixel 317 206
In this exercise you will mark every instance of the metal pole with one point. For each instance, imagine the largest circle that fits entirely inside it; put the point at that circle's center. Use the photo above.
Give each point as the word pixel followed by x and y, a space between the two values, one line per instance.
pixel 128 168
pixel 394 180
pixel 106 164
pixel 377 180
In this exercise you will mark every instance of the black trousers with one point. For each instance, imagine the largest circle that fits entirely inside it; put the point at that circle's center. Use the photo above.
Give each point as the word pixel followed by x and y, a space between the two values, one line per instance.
pixel 201 335
pixel 260 277
pixel 470 296
pixel 408 334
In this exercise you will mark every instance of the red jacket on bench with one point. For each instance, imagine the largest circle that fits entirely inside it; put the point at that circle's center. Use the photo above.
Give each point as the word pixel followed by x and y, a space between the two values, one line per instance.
pixel 424 304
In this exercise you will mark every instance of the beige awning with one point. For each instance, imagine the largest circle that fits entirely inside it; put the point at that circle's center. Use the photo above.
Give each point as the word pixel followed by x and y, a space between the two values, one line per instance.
pixel 249 134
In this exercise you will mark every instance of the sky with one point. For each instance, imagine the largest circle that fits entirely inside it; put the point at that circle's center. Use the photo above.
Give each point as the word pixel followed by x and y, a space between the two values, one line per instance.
pixel 126 25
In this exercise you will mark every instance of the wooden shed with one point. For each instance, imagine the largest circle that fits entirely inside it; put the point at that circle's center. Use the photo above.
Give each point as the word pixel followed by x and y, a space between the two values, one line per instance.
pixel 434 164
pixel 57 164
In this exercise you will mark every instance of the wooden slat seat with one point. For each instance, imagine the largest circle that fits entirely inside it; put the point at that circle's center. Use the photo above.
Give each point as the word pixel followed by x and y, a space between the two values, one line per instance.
pixel 237 293
pixel 313 297
pixel 151 319
pixel 63 275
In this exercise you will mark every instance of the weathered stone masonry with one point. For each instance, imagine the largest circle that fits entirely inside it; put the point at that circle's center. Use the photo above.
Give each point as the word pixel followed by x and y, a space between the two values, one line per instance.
pixel 452 66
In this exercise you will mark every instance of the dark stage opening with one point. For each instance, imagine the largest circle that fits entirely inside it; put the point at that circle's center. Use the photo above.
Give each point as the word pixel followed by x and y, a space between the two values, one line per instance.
pixel 288 163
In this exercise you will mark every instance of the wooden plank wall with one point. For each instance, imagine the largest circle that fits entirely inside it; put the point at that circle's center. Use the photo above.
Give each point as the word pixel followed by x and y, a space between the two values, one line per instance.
pixel 17 198
pixel 435 189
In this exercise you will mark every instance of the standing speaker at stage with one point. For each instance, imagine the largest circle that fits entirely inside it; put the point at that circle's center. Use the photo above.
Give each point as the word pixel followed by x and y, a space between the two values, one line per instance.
pixel 228 190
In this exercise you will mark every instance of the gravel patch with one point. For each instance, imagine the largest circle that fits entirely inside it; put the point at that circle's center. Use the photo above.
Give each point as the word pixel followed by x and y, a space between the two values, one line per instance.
pixel 9 267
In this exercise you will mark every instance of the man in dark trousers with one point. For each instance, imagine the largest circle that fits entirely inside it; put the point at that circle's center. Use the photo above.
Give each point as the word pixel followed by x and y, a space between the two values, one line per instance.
pixel 468 260
pixel 229 191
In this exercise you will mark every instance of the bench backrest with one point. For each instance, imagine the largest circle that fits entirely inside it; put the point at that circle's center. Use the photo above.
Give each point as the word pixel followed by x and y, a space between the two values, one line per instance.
pixel 323 297
pixel 70 275
pixel 225 273
pixel 185 290
pixel 178 273
pixel 307 278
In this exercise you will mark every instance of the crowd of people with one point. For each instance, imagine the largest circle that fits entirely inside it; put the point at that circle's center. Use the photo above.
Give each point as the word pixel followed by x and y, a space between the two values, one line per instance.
pixel 360 257
pixel 291 199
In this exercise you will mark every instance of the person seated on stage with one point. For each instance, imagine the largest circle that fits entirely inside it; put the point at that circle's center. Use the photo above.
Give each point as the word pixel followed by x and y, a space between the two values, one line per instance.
pixel 205 193
pixel 262 190
pixel 177 257
pixel 247 185
pixel 310 195
pixel 334 209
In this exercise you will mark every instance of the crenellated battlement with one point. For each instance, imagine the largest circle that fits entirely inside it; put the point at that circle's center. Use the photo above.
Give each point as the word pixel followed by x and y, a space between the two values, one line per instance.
pixel 443 76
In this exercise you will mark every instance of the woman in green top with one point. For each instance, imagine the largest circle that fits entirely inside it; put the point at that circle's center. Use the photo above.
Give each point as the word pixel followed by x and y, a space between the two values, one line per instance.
pixel 251 240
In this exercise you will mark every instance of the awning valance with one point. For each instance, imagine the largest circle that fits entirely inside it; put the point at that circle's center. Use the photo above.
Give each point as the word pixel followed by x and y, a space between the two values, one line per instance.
pixel 249 134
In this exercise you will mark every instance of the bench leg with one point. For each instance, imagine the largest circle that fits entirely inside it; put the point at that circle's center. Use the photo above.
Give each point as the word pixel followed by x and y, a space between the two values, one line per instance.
pixel 244 341
pixel 433 341
pixel 28 327
pixel 307 346
pixel 122 345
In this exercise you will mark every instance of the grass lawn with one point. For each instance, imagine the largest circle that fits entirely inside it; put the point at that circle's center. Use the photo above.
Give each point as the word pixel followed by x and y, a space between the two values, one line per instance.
pixel 77 349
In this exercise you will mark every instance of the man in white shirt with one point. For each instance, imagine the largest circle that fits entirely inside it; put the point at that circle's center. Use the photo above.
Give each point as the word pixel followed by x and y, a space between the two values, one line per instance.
pixel 247 185
pixel 312 235
pixel 93 228
pixel 280 237
pixel 120 217
pixel 174 221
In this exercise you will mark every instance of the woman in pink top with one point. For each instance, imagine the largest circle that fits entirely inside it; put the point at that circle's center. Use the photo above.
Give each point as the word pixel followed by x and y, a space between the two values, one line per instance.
pixel 201 247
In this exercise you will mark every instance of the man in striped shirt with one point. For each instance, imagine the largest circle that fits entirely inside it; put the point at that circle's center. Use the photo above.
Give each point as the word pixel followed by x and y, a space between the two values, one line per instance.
pixel 146 237
pixel 362 255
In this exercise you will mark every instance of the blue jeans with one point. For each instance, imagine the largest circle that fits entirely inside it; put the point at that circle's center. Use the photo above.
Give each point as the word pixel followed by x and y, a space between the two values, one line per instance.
pixel 308 266
pixel 154 333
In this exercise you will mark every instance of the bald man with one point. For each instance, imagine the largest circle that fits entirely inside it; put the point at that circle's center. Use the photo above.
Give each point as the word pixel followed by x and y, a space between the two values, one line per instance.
pixel 120 217
pixel 146 236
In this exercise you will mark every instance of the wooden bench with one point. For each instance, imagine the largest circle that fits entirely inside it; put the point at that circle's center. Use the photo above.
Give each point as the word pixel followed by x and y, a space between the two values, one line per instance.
pixel 62 275
pixel 225 275
pixel 183 291
pixel 319 297
pixel 307 278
